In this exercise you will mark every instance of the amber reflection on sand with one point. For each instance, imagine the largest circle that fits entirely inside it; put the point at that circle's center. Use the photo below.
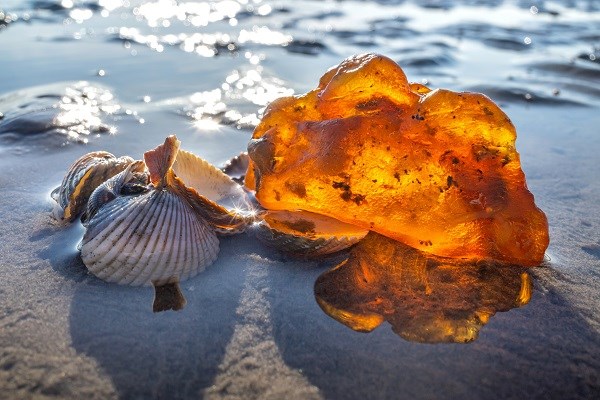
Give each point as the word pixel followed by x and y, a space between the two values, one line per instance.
pixel 429 300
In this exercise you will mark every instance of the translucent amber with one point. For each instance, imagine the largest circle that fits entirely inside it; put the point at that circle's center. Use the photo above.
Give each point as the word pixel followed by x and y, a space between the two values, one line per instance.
pixel 435 169
pixel 425 299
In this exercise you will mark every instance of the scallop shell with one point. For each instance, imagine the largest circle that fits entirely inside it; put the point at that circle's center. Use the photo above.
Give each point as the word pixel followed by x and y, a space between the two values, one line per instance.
pixel 84 175
pixel 305 234
pixel 150 238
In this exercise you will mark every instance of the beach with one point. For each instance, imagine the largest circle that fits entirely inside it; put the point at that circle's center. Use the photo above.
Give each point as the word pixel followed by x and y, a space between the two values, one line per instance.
pixel 122 75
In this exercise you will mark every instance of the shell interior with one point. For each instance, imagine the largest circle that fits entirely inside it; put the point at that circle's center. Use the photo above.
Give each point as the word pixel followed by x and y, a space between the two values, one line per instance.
pixel 210 181
pixel 307 234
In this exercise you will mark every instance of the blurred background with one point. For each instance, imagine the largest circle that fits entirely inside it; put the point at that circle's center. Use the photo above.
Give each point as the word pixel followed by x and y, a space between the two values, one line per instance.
pixel 218 63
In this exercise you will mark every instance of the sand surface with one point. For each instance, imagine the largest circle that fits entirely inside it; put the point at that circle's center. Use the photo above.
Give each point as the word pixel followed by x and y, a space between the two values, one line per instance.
pixel 252 327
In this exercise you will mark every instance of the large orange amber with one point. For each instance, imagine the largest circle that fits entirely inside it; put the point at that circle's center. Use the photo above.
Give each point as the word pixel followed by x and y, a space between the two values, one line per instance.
pixel 437 170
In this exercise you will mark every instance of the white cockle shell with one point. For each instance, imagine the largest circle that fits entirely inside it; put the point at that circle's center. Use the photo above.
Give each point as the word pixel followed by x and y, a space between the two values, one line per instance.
pixel 155 237
pixel 152 238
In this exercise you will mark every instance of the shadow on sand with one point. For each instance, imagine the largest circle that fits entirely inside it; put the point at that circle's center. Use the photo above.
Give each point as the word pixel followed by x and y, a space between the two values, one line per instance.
pixel 145 354
pixel 541 350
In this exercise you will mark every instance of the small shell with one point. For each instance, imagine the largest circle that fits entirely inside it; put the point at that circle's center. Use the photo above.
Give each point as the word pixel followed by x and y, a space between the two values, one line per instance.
pixel 86 173
pixel 150 238
pixel 237 166
pixel 306 234
pixel 133 180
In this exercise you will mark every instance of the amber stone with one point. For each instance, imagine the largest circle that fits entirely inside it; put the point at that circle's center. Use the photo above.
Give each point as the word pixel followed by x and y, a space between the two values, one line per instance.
pixel 435 169
pixel 424 298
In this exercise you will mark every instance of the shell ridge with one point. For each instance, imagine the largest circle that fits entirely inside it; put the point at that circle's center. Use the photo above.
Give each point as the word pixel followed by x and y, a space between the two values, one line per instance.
pixel 185 260
pixel 212 241
pixel 171 256
pixel 98 230
pixel 179 239
pixel 139 275
pixel 189 255
pixel 150 233
pixel 189 247
pixel 207 248
pixel 116 257
pixel 210 245
pixel 136 241
pixel 163 242
pixel 105 217
pixel 116 230
pixel 149 251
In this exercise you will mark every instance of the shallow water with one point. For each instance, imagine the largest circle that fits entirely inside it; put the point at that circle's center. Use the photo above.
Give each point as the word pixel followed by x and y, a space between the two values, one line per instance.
pixel 121 75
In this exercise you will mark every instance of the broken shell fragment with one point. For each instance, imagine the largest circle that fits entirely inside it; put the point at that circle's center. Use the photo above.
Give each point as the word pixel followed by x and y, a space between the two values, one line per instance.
pixel 435 169
pixel 224 203
pixel 305 234
pixel 236 167
pixel 152 238
pixel 84 175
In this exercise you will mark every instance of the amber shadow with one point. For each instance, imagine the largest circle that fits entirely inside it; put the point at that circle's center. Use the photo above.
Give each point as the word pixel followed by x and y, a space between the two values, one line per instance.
pixel 425 299
pixel 544 349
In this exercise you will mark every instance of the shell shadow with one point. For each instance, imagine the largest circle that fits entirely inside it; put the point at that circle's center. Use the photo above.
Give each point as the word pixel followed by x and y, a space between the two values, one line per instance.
pixel 156 355
pixel 61 248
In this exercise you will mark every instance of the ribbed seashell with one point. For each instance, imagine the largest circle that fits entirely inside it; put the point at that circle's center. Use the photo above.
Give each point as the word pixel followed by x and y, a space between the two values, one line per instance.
pixel 85 175
pixel 224 203
pixel 305 234
pixel 153 238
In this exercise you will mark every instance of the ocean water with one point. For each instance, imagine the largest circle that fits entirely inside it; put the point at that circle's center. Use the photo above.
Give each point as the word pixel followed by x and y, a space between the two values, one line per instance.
pixel 120 75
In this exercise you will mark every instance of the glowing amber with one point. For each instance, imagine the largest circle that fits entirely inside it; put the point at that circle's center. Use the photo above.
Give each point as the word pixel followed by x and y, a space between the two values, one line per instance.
pixel 425 299
pixel 437 170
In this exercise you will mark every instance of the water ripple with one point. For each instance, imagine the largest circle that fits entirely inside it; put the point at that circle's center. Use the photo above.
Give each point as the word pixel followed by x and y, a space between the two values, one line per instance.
pixel 57 114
